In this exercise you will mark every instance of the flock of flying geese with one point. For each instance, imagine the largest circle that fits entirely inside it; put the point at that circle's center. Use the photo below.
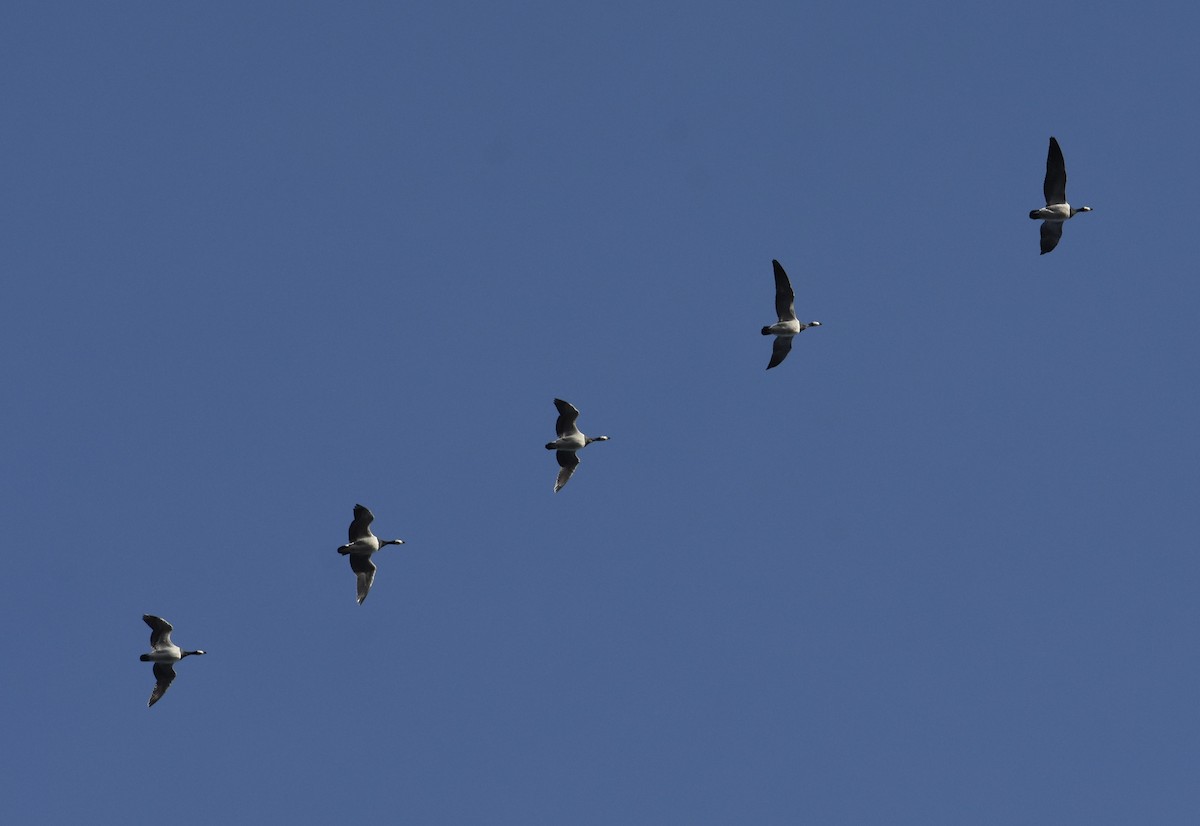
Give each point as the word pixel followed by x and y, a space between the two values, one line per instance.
pixel 363 543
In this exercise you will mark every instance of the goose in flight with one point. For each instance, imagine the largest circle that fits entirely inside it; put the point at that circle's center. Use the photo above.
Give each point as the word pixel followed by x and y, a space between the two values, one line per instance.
pixel 1056 209
pixel 569 441
pixel 164 656
pixel 362 544
pixel 788 325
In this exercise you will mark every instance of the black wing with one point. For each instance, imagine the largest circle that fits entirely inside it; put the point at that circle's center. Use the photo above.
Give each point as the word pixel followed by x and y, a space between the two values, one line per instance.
pixel 1051 234
pixel 568 461
pixel 1055 186
pixel 567 414
pixel 364 569
pixel 164 675
pixel 785 299
pixel 779 350
pixel 361 526
pixel 160 631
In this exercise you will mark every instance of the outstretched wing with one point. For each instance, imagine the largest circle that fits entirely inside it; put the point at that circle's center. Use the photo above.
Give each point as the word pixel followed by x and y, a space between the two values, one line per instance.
pixel 160 634
pixel 779 350
pixel 364 568
pixel 785 299
pixel 361 526
pixel 164 675
pixel 1055 185
pixel 567 461
pixel 1051 235
pixel 567 414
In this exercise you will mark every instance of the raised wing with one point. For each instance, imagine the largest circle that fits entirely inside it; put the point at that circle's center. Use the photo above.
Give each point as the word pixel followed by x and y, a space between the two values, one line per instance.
pixel 164 675
pixel 1055 186
pixel 568 461
pixel 779 350
pixel 160 634
pixel 1051 235
pixel 364 569
pixel 567 414
pixel 785 299
pixel 361 526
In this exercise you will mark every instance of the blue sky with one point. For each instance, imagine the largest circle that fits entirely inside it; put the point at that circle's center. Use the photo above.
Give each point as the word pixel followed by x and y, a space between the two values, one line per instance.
pixel 267 260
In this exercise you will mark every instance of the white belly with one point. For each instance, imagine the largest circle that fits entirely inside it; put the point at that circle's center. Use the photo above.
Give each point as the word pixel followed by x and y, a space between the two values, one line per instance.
pixel 569 442
pixel 1055 212
pixel 367 545
pixel 165 655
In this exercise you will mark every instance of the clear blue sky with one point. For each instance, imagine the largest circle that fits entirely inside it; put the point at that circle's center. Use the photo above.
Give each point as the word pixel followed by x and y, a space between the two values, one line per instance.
pixel 263 261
